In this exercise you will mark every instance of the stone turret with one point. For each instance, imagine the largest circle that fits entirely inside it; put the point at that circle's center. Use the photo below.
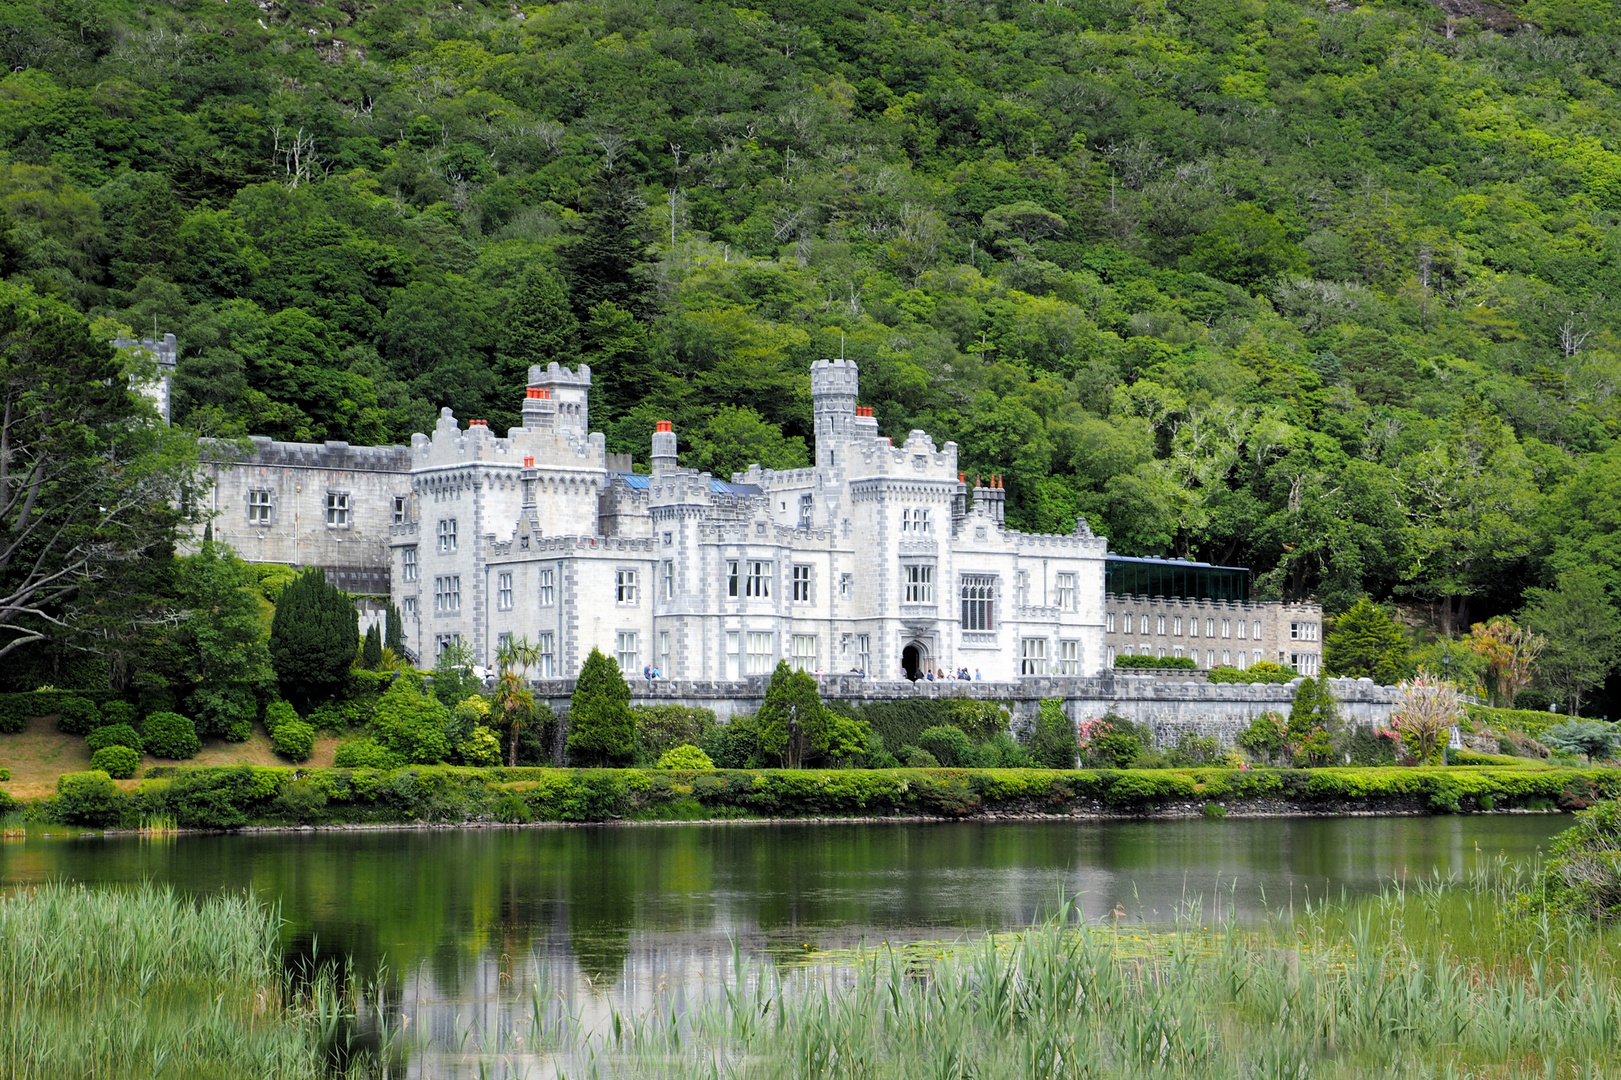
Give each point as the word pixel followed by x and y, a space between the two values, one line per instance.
pixel 161 386
pixel 834 387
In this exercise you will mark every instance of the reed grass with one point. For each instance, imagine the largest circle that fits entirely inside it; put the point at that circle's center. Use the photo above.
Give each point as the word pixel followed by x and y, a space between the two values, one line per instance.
pixel 1428 979
pixel 141 983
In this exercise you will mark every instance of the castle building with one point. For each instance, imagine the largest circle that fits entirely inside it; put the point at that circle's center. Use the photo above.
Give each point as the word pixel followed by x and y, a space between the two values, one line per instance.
pixel 877 558
pixel 1174 607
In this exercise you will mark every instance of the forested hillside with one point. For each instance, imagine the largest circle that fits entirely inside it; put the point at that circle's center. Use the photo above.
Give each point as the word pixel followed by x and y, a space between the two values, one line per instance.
pixel 1329 292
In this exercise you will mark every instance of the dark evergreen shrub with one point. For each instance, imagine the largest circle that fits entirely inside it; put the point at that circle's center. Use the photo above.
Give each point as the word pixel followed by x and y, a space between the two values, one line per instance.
pixel 1055 745
pixel 602 728
pixel 118 762
pixel 77 715
pixel 371 651
pixel 313 636
pixel 171 735
pixel 115 735
pixel 14 713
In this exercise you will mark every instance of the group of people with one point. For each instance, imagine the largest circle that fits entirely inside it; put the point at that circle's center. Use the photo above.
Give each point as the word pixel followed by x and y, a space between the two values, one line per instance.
pixel 650 672
pixel 939 675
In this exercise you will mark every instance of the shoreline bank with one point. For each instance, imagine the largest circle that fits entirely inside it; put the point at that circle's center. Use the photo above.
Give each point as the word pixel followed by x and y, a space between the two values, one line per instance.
pixel 242 798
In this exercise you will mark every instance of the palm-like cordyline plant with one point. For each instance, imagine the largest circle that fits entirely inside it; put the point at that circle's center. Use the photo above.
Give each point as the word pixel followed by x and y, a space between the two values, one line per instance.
pixel 514 704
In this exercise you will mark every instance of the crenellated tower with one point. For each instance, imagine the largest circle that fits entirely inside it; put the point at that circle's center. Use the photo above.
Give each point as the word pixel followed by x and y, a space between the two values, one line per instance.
pixel 567 392
pixel 834 387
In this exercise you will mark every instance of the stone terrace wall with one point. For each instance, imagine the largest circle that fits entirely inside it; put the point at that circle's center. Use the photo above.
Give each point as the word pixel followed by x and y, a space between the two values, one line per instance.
pixel 1167 708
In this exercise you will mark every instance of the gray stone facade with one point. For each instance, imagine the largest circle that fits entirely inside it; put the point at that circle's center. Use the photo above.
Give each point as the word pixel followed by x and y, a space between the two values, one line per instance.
pixel 1215 633
pixel 304 504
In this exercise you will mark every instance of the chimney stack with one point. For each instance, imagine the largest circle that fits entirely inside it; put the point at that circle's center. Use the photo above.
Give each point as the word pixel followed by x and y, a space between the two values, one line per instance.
pixel 539 410
pixel 663 458
pixel 994 496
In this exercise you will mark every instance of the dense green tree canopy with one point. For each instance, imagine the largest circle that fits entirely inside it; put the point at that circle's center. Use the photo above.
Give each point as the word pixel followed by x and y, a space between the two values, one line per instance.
pixel 1329 293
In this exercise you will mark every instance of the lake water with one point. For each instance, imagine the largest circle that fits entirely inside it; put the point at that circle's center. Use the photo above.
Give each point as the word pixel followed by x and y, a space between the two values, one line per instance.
pixel 627 915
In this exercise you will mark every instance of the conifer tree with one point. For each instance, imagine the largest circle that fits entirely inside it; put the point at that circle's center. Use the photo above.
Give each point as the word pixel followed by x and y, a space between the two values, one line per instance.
pixel 371 653
pixel 793 722
pixel 540 328
pixel 603 263
pixel 1366 644
pixel 602 729
pixel 394 637
pixel 312 637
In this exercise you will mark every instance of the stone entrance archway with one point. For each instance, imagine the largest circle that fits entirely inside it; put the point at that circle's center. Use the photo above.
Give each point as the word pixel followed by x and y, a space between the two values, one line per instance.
pixel 914 661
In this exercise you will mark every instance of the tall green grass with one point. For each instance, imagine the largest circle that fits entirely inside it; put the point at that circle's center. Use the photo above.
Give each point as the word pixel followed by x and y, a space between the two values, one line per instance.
pixel 1437 979
pixel 140 983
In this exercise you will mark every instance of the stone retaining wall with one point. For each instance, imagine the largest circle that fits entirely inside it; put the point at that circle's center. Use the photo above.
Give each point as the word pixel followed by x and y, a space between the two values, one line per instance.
pixel 1166 707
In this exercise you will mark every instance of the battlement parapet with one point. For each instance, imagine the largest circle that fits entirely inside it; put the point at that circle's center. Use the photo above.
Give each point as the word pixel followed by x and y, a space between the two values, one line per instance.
pixel 331 455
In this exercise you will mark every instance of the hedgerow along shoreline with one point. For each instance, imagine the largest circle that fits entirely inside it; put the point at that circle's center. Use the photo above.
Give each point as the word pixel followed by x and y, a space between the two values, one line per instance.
pixel 237 797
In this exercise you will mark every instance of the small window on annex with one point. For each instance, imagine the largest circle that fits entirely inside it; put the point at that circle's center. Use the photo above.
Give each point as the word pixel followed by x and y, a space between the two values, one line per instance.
pixel 758 582
pixel 625 652
pixel 1069 658
pixel 760 653
pixel 337 509
pixel 259 506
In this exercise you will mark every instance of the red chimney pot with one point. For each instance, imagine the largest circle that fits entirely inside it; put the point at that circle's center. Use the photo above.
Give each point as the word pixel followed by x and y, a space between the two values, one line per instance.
pixel 664 425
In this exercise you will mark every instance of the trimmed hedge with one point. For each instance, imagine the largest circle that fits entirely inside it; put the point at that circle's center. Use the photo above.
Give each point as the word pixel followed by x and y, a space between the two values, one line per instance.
pixel 118 762
pixel 17 709
pixel 115 735
pixel 228 798
pixel 1530 721
pixel 77 716
pixel 293 740
pixel 171 735
pixel 1149 662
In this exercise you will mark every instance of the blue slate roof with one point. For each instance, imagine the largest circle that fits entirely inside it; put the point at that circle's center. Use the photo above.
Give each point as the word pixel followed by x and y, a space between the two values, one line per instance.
pixel 720 487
